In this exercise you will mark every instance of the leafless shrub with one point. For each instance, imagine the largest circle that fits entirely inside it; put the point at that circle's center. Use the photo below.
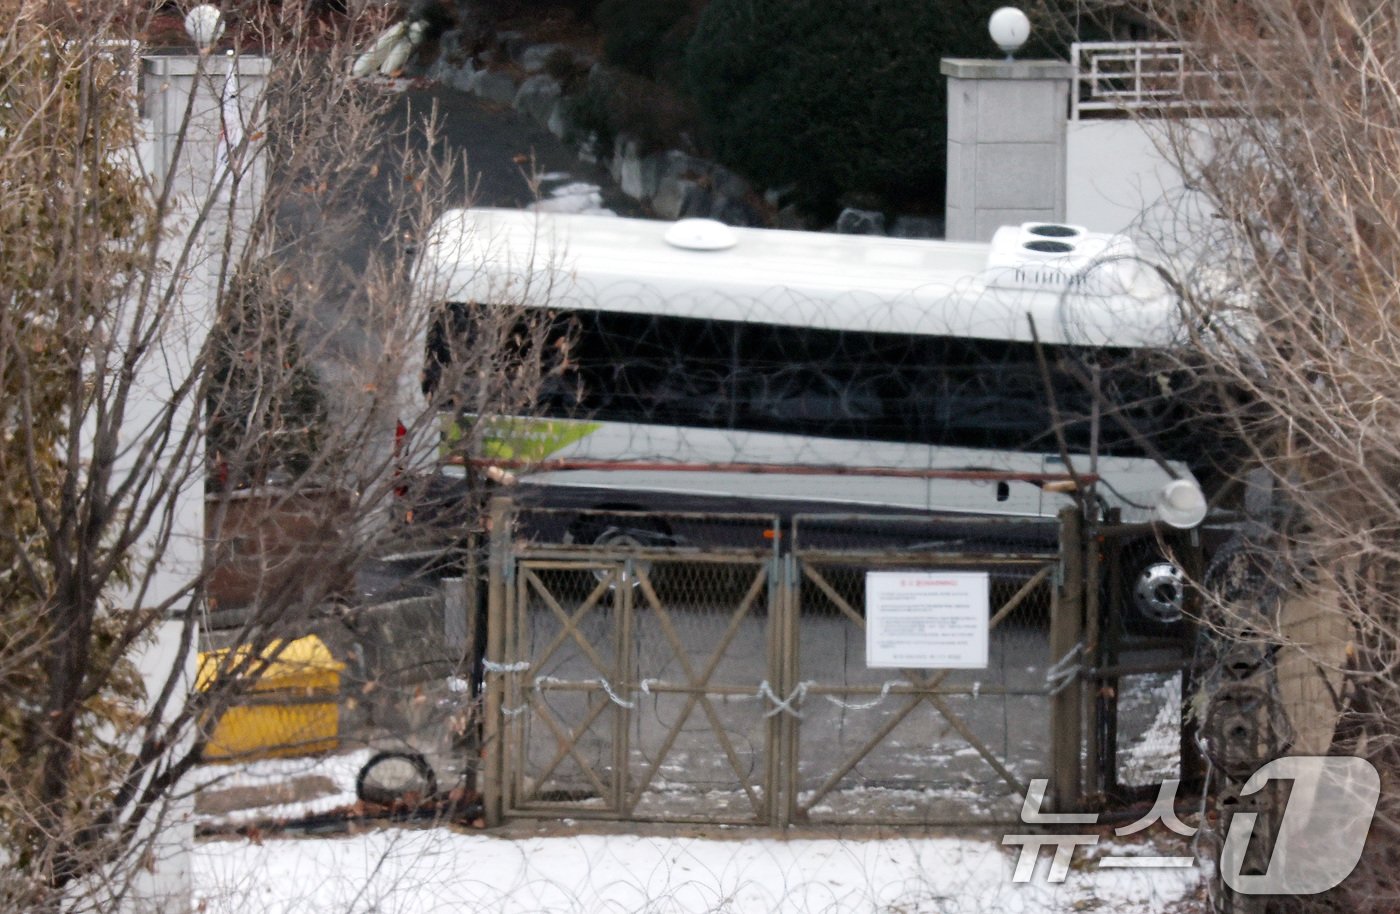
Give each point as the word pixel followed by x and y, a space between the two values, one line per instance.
pixel 259 289
pixel 1291 300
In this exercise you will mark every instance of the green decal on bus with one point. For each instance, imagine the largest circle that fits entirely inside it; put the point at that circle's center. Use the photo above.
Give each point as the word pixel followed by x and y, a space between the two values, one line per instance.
pixel 515 438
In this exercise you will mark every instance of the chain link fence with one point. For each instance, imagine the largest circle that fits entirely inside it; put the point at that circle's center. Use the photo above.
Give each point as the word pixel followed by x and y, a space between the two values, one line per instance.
pixel 714 668
pixel 916 745
pixel 639 656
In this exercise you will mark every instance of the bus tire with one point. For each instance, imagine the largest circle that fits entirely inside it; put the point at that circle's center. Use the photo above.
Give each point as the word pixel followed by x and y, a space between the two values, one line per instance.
pixel 619 530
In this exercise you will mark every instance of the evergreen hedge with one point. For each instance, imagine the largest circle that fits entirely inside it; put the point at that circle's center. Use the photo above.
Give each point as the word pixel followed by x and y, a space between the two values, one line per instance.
pixel 842 99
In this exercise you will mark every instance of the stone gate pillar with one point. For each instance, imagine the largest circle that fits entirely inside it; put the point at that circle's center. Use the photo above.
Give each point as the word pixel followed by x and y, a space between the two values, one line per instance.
pixel 1006 144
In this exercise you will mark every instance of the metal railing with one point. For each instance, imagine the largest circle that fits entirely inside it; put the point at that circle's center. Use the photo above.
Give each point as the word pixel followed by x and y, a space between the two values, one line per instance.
pixel 1122 76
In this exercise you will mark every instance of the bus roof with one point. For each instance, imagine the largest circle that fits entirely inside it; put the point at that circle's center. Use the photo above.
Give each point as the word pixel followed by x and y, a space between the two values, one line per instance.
pixel 806 279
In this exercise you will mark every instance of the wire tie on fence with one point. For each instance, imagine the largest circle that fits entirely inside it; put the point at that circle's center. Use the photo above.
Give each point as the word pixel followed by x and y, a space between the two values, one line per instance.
pixel 783 704
pixel 1065 671
pixel 543 682
pixel 1063 665
pixel 493 667
pixel 976 688
pixel 614 697
pixel 867 705
pixel 514 712
pixel 646 684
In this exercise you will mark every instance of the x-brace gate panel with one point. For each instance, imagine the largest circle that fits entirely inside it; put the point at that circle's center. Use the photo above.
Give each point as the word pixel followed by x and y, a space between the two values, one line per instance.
pixel 864 754
pixel 707 685
pixel 637 685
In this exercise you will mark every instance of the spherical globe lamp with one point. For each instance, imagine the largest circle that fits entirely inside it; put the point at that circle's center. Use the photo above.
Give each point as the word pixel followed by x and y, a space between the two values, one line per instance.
pixel 204 24
pixel 1009 28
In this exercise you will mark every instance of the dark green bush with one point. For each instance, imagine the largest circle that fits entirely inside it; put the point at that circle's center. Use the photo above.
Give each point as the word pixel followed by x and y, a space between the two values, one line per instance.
pixel 622 103
pixel 590 119
pixel 565 69
pixel 493 10
pixel 833 96
pixel 645 37
pixel 260 421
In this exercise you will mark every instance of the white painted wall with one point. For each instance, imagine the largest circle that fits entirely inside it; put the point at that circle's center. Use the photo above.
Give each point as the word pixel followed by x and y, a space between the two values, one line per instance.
pixel 1117 179
pixel 169 81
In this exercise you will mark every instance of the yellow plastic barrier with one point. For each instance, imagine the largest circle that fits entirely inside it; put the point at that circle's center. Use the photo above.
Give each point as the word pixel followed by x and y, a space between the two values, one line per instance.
pixel 291 709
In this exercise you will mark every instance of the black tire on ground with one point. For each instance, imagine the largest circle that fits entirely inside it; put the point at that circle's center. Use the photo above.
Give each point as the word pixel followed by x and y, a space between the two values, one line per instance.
pixel 395 777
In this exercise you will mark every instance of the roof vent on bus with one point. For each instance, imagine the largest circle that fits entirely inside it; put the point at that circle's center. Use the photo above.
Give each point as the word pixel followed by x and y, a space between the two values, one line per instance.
pixel 1054 257
pixel 701 235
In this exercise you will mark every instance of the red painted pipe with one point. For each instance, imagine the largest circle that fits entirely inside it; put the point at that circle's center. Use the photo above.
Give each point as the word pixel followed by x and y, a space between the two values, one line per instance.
pixel 775 469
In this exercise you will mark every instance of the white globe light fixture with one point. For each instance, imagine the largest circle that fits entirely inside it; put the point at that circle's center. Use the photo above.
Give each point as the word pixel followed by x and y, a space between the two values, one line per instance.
pixel 701 235
pixel 1009 28
pixel 1181 504
pixel 204 24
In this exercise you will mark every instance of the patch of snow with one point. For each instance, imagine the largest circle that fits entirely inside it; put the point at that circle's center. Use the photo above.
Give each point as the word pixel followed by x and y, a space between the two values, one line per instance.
pixel 432 870
pixel 1157 754
pixel 576 189
pixel 267 774
pixel 576 197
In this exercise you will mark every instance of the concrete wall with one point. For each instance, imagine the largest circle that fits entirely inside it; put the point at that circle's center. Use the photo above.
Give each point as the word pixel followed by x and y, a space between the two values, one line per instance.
pixel 1118 180
pixel 1014 155
pixel 168 84
pixel 1006 144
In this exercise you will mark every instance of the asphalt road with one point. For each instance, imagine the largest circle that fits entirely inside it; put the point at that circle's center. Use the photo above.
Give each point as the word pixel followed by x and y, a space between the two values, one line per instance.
pixel 503 148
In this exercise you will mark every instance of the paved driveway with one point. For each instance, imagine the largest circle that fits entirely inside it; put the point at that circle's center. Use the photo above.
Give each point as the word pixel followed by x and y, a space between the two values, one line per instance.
pixel 501 145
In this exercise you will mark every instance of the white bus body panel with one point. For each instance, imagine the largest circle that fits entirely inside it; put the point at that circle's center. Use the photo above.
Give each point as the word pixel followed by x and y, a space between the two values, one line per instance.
pixel 1134 482
pixel 806 280
pixel 800 279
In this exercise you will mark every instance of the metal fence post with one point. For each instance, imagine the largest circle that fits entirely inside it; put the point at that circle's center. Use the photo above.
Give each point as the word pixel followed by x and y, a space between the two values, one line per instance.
pixel 476 614
pixel 624 676
pixel 1106 684
pixel 787 610
pixel 1066 619
pixel 1093 651
pixel 493 762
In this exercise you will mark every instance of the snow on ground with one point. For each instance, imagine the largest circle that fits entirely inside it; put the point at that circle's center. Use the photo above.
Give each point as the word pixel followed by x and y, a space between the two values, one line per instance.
pixel 267 787
pixel 1156 754
pixel 572 197
pixel 423 871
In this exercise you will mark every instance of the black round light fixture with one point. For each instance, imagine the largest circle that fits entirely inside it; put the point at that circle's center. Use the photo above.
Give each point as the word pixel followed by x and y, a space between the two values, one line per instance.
pixel 1048 247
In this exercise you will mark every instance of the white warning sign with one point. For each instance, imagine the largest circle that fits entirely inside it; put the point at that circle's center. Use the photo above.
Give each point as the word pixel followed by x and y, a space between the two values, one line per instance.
pixel 926 619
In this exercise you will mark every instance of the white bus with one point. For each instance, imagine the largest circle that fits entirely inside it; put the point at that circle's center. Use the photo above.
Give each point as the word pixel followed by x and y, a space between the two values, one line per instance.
pixel 697 345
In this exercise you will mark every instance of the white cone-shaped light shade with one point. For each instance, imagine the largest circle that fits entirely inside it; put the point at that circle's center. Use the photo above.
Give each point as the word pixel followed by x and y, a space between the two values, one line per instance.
pixel 1181 504
pixel 1009 28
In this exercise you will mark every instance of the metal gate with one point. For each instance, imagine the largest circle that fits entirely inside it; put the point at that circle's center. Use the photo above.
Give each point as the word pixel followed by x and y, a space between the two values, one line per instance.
pixel 933 746
pixel 633 677
pixel 712 668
